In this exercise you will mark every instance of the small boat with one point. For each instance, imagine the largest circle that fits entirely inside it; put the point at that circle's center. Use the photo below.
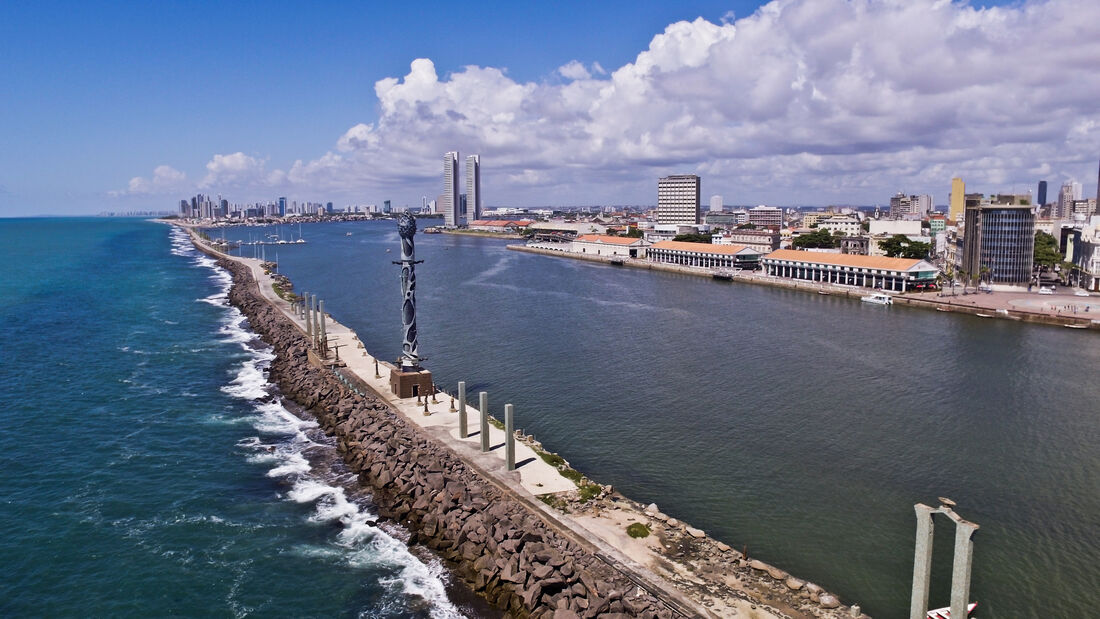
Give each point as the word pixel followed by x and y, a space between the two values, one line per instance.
pixel 942 309
pixel 984 315
pixel 1076 326
pixel 347 234
pixel 945 612
pixel 823 292
pixel 878 298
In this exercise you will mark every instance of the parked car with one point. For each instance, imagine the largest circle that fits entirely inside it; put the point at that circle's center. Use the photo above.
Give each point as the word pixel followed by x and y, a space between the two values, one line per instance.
pixel 1046 291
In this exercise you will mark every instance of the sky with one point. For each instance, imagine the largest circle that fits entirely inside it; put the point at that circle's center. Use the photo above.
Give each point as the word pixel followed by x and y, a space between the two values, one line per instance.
pixel 133 106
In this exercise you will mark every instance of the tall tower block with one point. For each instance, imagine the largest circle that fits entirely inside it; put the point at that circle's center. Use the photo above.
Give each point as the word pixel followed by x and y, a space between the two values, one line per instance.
pixel 452 217
pixel 958 199
pixel 473 187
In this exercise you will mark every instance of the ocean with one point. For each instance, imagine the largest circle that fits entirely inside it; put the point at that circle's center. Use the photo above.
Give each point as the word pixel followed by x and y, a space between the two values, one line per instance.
pixel 149 468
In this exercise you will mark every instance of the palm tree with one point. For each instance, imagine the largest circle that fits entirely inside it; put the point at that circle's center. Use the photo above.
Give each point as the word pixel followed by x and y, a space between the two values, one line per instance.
pixel 965 277
pixel 984 273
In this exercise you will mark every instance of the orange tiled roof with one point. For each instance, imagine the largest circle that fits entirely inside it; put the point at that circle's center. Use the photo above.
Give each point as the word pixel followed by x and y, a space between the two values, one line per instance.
pixel 847 260
pixel 604 238
pixel 703 248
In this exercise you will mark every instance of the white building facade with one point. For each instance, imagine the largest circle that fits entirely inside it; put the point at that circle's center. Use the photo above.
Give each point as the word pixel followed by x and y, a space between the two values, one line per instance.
pixel 678 199
pixel 449 200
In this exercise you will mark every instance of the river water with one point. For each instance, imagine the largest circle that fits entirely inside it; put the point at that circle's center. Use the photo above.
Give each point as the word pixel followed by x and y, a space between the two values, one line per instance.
pixel 803 427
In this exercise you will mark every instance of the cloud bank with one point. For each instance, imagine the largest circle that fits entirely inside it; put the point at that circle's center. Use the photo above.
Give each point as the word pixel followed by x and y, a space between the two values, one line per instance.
pixel 804 101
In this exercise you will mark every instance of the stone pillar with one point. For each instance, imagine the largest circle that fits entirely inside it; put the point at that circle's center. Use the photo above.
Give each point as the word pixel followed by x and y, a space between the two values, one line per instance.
pixel 316 323
pixel 321 338
pixel 509 437
pixel 922 563
pixel 483 404
pixel 960 568
pixel 462 433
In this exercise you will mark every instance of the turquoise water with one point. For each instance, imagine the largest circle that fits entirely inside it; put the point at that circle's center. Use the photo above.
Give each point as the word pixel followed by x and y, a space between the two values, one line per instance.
pixel 147 469
pixel 804 427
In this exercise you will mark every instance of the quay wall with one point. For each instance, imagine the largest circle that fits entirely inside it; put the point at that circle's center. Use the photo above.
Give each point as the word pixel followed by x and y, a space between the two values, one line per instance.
pixel 505 550
pixel 957 304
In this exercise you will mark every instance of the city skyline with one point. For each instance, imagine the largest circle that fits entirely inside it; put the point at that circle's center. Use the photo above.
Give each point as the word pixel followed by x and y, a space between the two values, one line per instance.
pixel 785 103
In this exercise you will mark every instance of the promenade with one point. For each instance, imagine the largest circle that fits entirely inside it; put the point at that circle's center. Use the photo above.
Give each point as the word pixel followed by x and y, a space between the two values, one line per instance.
pixel 1059 309
pixel 706 578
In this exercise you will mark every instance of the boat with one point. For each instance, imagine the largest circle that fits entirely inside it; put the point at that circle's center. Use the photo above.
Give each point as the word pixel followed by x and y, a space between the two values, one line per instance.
pixel 945 612
pixel 878 298
pixel 1076 326
pixel 942 309
pixel 822 292
pixel 617 262
pixel 984 315
pixel 347 234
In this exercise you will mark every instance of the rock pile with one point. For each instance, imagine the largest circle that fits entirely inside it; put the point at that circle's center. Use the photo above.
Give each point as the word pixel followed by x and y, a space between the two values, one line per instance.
pixel 493 541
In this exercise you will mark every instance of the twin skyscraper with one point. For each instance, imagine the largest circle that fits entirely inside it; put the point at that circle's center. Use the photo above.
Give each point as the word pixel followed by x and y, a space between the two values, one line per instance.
pixel 460 208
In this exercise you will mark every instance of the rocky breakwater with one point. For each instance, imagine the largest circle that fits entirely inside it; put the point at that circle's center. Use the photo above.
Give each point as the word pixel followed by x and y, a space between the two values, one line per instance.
pixel 504 549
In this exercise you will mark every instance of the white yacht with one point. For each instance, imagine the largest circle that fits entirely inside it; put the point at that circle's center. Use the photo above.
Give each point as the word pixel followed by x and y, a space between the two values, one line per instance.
pixel 878 298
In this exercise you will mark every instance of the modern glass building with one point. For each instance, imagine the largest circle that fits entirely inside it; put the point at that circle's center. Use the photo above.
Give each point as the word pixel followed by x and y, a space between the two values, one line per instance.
pixel 1001 239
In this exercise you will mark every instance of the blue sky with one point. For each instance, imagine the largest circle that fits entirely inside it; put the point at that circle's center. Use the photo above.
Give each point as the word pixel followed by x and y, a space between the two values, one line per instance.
pixel 98 95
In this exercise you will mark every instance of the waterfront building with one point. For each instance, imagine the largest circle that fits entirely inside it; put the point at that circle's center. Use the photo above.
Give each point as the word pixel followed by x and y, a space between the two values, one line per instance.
pixel 567 229
pixel 896 274
pixel 958 200
pixel 603 245
pixel 999 237
pixel 704 255
pixel 452 216
pixel 766 216
pixel 716 205
pixel 763 241
pixel 678 199
pixel 473 187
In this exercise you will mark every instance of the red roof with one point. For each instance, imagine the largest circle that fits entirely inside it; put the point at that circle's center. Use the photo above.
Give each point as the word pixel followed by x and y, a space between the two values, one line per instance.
pixel 610 240
pixel 702 248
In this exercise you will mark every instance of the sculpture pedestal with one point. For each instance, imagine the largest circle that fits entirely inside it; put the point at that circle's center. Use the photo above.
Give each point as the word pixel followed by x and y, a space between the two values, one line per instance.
pixel 410 384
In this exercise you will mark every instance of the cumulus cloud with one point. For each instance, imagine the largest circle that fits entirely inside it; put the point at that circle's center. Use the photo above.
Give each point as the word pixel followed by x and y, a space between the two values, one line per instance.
pixel 802 101
pixel 165 179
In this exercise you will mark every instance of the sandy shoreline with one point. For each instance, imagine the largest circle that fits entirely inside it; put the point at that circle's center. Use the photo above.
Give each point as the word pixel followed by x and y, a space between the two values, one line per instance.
pixel 692 571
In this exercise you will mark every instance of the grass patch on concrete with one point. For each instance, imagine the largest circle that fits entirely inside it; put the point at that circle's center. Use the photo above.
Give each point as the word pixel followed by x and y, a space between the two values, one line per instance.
pixel 637 530
pixel 551 459
pixel 590 491
pixel 554 501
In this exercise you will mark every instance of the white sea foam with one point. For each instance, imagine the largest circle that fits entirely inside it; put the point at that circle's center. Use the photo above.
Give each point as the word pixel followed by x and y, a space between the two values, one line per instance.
pixel 250 382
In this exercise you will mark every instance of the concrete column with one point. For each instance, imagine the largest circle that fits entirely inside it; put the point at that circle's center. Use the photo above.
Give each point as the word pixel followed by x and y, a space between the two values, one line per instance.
pixel 960 569
pixel 309 315
pixel 483 404
pixel 510 438
pixel 321 315
pixel 462 433
pixel 922 563
pixel 316 322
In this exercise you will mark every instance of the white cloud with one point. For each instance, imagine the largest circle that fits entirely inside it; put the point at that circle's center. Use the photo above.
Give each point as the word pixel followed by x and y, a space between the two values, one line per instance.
pixel 165 179
pixel 803 101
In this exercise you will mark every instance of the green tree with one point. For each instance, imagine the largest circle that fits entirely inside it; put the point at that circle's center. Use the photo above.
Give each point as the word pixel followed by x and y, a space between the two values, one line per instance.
pixel 1046 250
pixel 899 246
pixel 818 238
pixel 692 238
pixel 633 232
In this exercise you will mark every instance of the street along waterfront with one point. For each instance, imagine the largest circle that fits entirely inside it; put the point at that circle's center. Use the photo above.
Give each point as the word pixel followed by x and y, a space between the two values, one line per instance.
pixel 803 426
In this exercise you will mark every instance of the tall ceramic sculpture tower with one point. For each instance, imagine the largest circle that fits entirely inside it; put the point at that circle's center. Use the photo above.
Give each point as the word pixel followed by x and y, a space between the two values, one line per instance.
pixel 409 379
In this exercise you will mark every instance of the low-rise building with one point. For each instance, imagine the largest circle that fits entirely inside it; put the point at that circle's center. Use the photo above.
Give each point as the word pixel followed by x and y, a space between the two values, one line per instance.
pixel 499 225
pixel 848 226
pixel 897 274
pixel 766 216
pixel 763 241
pixel 704 255
pixel 603 245
pixel 727 220
pixel 890 227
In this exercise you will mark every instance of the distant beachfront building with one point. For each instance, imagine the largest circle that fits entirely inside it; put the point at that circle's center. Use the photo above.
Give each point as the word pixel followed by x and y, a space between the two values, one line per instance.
pixel 473 187
pixel 603 245
pixel 766 216
pixel 450 201
pixel 678 199
pixel 704 255
pixel 896 274
pixel 999 236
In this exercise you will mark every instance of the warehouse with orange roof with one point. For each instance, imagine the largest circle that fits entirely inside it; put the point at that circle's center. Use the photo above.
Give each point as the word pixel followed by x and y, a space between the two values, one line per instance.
pixel 896 274
pixel 704 255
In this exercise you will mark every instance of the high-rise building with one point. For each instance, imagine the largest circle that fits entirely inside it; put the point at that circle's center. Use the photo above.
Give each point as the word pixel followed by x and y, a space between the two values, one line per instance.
pixel 1042 193
pixel 452 217
pixel 1098 186
pixel 678 199
pixel 1066 196
pixel 1000 238
pixel 958 197
pixel 910 207
pixel 716 204
pixel 473 187
pixel 386 206
pixel 282 206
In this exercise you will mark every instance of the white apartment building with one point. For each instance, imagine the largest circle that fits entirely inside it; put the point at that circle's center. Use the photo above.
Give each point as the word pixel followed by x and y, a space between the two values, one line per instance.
pixel 848 226
pixel 678 199
pixel 473 187
pixel 766 216
pixel 449 200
